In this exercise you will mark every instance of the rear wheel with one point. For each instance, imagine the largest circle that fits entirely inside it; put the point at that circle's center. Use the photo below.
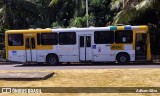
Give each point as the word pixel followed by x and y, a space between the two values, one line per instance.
pixel 123 58
pixel 52 59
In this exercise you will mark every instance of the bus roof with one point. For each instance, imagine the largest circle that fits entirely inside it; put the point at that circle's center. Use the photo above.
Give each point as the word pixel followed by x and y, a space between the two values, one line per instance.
pixel 108 28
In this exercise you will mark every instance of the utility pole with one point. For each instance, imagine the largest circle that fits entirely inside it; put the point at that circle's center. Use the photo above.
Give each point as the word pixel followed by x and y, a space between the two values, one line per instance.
pixel 87 12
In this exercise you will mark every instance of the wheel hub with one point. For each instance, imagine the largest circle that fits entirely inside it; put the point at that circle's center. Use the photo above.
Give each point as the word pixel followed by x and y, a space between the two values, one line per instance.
pixel 52 60
pixel 123 59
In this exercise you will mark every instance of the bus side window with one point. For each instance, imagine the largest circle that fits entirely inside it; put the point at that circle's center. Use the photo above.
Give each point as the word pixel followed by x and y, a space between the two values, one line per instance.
pixel 88 41
pixel 27 43
pixel 49 38
pixel 33 43
pixel 81 41
pixel 104 37
pixel 15 39
pixel 124 36
pixel 67 38
pixel 38 38
pixel 10 43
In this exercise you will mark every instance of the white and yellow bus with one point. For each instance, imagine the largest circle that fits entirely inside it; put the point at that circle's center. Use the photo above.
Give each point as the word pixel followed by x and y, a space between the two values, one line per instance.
pixel 94 44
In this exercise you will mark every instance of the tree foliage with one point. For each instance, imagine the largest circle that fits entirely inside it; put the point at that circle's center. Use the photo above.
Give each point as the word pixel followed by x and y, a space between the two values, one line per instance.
pixel 18 14
pixel 136 11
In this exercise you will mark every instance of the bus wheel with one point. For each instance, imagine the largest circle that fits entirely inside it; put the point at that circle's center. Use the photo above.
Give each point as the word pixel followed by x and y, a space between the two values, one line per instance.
pixel 52 59
pixel 123 58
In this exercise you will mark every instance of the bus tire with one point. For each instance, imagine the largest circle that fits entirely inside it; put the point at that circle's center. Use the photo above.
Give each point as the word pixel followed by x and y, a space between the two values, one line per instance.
pixel 123 58
pixel 52 59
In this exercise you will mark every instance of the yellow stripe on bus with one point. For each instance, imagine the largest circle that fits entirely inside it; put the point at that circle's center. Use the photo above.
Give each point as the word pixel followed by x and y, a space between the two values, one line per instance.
pixel 143 27
pixel 47 47
pixel 29 31
pixel 120 28
pixel 117 46
pixel 44 47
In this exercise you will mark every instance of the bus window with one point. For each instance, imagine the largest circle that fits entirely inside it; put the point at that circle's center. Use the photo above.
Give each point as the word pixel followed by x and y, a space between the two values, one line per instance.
pixel 124 36
pixel 103 37
pixel 88 41
pixel 27 43
pixel 15 39
pixel 38 38
pixel 67 38
pixel 49 38
pixel 33 43
pixel 81 41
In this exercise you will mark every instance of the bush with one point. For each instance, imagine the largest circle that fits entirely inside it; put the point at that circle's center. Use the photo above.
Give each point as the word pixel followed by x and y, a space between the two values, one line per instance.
pixel 3 53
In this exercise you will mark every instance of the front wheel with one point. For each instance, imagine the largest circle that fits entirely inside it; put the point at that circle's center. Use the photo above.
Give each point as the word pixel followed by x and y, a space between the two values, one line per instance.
pixel 123 58
pixel 52 59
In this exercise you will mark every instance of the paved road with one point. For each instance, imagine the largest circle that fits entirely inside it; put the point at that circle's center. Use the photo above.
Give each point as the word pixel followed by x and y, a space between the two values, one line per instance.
pixel 75 66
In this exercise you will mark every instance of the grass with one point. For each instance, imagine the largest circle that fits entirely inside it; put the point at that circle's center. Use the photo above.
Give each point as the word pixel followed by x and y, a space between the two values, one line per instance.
pixel 92 78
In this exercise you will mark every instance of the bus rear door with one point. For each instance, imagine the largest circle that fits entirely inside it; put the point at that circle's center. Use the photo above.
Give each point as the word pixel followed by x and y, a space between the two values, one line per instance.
pixel 85 50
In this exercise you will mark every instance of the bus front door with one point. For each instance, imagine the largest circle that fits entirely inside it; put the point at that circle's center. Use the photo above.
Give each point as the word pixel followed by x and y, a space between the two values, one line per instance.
pixel 85 50
pixel 30 49
pixel 141 46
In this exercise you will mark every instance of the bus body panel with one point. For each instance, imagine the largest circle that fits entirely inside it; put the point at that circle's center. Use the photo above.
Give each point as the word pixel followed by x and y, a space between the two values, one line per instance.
pixel 68 53
pixel 17 55
pixel 100 53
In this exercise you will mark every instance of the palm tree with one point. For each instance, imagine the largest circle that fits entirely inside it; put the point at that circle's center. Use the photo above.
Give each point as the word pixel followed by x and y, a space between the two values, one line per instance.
pixel 66 11
pixel 134 9
pixel 78 5
pixel 73 12
pixel 17 14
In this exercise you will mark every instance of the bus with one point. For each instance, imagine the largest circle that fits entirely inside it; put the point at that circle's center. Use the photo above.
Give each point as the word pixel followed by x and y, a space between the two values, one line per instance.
pixel 122 44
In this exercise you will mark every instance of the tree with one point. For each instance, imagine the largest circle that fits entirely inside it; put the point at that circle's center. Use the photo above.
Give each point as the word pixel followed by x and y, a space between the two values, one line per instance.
pixel 18 14
pixel 72 12
pixel 65 10
pixel 100 12
pixel 135 10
